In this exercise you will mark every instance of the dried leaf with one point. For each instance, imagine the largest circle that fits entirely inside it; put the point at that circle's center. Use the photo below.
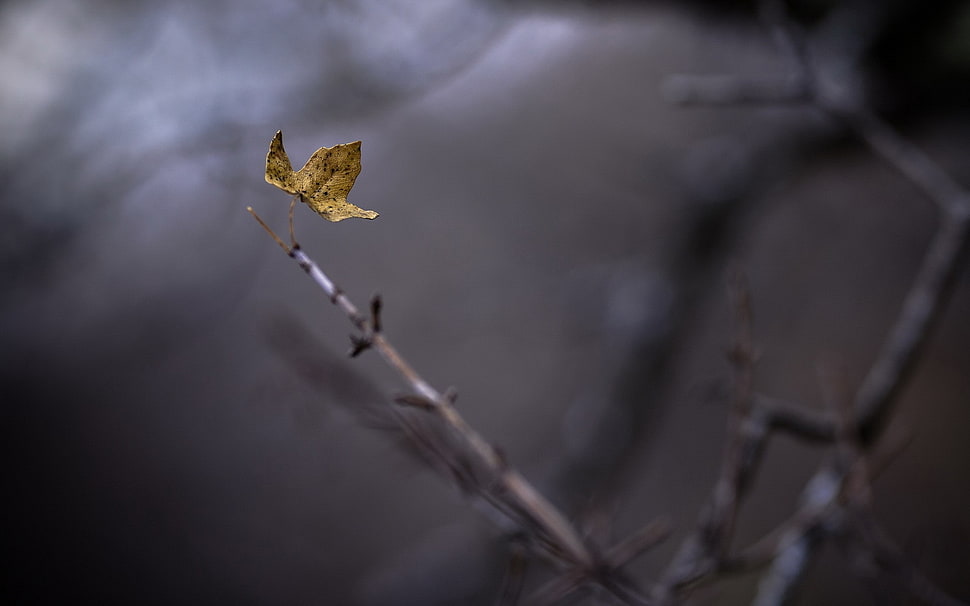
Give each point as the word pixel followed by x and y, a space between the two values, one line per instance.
pixel 324 181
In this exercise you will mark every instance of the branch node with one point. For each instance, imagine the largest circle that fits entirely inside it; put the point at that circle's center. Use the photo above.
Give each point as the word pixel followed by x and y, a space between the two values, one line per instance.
pixel 359 345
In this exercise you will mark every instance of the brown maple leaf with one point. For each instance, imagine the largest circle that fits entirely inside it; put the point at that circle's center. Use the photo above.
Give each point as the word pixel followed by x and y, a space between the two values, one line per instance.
pixel 324 181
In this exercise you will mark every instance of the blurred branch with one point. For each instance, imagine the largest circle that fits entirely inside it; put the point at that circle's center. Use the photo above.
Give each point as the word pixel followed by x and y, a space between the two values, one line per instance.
pixel 922 304
pixel 705 551
pixel 874 548
pixel 608 574
pixel 855 422
pixel 794 419
pixel 925 299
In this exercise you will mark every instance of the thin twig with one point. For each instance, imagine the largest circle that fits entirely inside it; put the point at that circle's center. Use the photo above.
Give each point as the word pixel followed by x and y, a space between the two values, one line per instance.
pixel 561 542
pixel 799 539
pixel 760 553
pixel 706 550
pixel 269 230
pixel 863 533
pixel 922 306
pixel 739 459
pixel 607 573
pixel 862 530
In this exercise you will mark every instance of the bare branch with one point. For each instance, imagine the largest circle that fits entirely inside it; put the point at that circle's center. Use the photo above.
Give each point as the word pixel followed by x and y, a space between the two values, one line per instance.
pixel 797 542
pixel 269 230
pixel 908 159
pixel 875 546
pixel 794 419
pixel 745 438
pixel 921 307
pixel 855 422
pixel 507 489
pixel 705 551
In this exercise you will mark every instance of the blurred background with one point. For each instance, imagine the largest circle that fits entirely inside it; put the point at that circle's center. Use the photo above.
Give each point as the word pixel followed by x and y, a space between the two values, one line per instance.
pixel 180 422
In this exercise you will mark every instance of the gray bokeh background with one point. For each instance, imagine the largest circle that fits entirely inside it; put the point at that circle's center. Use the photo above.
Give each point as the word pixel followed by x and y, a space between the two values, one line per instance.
pixel 553 240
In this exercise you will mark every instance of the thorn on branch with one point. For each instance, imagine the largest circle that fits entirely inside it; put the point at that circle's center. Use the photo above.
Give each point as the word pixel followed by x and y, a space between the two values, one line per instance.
pixel 359 345
pixel 375 313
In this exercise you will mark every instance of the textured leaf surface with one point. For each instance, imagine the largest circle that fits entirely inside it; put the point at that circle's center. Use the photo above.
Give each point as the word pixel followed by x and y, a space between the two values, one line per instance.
pixel 324 181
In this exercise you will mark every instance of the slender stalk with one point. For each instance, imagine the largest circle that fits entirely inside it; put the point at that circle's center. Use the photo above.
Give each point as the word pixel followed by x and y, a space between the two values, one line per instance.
pixel 554 530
